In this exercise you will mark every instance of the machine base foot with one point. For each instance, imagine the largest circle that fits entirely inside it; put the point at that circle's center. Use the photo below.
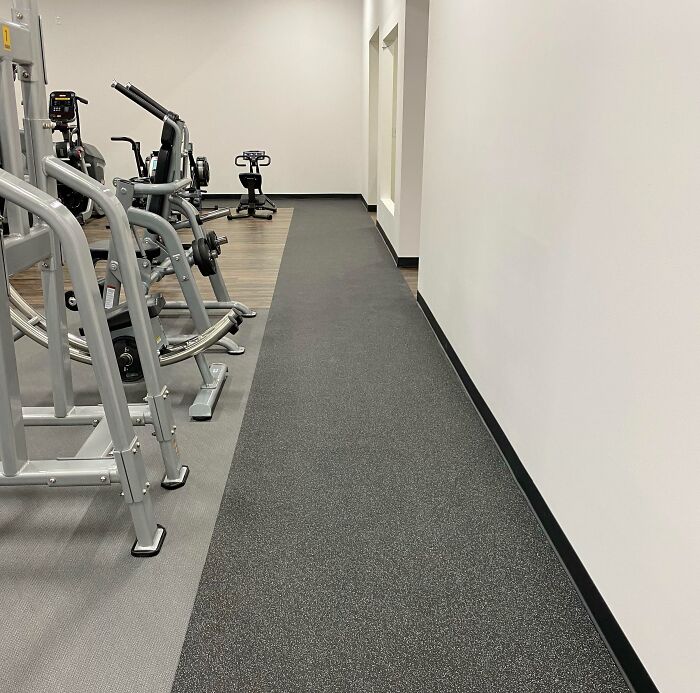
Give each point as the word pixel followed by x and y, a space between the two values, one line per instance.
pixel 243 310
pixel 265 217
pixel 202 409
pixel 179 482
pixel 231 347
pixel 140 551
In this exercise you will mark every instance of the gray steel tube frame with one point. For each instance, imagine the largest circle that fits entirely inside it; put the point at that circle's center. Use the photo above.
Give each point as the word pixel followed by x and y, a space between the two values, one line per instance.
pixel 157 393
pixel 32 324
pixel 127 454
pixel 213 376
pixel 24 48
pixel 176 175
pixel 191 214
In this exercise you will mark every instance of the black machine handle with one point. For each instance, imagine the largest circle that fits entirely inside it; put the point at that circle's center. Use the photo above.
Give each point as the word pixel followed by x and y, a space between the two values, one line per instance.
pixel 259 158
pixel 149 99
pixel 133 143
pixel 136 148
pixel 139 101
pixel 81 99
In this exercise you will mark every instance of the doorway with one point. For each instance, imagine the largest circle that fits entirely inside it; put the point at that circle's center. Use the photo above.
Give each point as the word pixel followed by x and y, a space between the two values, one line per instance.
pixel 372 188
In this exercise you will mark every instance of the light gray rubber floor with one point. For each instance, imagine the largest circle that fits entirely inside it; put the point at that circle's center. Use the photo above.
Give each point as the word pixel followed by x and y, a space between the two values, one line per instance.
pixel 371 537
pixel 78 613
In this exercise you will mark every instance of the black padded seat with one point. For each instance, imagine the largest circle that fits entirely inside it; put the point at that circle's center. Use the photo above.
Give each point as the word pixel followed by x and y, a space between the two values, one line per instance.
pixel 99 250
pixel 119 319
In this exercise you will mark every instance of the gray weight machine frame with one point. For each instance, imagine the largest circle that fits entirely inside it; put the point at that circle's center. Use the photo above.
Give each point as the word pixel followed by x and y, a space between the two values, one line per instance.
pixel 157 227
pixel 44 169
pixel 178 165
pixel 127 272
pixel 159 233
pixel 111 453
pixel 160 412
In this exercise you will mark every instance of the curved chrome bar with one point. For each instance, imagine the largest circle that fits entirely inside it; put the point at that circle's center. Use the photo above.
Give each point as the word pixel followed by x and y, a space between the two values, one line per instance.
pixel 198 344
pixel 37 318
pixel 81 354
pixel 39 335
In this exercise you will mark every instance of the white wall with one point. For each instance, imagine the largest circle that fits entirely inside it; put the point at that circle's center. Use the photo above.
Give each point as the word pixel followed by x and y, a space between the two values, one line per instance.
pixel 304 107
pixel 566 277
pixel 400 220
pixel 413 124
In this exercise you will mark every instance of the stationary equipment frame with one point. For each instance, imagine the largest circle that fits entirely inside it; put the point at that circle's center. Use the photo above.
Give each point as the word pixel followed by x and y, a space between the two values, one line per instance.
pixel 111 454
pixel 167 193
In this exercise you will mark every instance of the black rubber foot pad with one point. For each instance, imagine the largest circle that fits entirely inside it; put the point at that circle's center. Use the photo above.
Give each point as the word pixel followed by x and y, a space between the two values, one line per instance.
pixel 147 553
pixel 172 485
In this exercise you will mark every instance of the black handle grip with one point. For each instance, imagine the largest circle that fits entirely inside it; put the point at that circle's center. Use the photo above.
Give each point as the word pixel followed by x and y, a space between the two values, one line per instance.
pixel 142 94
pixel 265 161
pixel 124 139
pixel 138 100
pixel 243 159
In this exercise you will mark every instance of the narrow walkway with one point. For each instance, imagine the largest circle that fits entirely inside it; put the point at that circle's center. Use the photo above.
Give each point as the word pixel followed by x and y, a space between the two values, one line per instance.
pixel 370 537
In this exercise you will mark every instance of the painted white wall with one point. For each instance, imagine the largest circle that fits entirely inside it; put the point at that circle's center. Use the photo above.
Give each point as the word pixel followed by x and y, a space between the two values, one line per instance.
pixel 400 220
pixel 566 277
pixel 303 107
pixel 413 124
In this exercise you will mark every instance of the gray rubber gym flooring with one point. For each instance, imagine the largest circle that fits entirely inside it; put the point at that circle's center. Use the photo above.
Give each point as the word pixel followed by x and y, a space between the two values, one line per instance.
pixel 370 537
pixel 78 613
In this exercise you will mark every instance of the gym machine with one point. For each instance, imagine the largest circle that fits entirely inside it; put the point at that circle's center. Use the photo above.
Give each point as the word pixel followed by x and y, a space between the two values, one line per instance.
pixel 173 162
pixel 135 358
pixel 255 200
pixel 64 113
pixel 148 203
pixel 196 167
pixel 111 454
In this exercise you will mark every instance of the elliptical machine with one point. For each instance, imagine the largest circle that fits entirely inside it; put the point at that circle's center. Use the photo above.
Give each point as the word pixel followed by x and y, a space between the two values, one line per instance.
pixel 255 200
pixel 64 113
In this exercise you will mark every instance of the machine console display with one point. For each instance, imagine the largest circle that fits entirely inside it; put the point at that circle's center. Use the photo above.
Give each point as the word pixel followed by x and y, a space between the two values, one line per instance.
pixel 62 106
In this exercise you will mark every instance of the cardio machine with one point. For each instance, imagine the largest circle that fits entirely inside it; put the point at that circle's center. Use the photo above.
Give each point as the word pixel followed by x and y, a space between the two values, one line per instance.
pixel 255 200
pixel 64 114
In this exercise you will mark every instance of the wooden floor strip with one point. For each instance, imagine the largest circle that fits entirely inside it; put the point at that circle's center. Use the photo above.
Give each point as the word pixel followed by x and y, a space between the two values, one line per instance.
pixel 249 262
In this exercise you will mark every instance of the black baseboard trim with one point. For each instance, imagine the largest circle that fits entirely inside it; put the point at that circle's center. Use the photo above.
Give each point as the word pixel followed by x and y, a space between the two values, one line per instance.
pixel 400 261
pixel 616 640
pixel 368 207
pixel 388 242
pixel 407 262
pixel 288 196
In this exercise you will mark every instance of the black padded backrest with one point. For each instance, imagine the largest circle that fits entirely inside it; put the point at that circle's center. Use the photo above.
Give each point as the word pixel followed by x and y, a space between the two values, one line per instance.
pixel 251 181
pixel 165 154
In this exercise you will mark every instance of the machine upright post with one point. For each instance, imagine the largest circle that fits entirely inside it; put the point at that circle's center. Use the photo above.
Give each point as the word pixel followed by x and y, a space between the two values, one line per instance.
pixel 39 144
pixel 10 147
pixel 13 443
